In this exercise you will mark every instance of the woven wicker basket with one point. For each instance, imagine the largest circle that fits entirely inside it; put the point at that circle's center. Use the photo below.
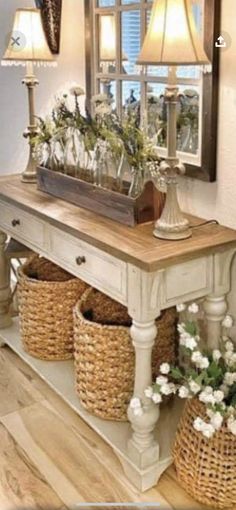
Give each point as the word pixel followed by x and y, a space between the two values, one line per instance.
pixel 104 354
pixel 47 295
pixel 206 468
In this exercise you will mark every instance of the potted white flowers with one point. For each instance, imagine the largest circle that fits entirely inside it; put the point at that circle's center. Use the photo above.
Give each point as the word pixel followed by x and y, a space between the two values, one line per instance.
pixel 205 444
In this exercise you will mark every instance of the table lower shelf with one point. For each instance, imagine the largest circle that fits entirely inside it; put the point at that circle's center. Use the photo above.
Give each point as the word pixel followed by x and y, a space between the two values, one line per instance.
pixel 59 375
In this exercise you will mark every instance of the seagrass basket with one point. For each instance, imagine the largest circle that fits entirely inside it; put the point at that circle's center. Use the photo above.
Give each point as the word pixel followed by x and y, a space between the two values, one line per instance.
pixel 104 354
pixel 206 468
pixel 47 295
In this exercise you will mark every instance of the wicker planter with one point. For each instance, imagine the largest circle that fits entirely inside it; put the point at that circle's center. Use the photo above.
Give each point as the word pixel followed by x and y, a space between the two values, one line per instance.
pixel 206 468
pixel 47 295
pixel 104 354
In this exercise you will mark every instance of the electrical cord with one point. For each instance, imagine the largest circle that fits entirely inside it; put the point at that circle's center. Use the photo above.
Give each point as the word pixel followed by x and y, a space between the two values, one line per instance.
pixel 209 222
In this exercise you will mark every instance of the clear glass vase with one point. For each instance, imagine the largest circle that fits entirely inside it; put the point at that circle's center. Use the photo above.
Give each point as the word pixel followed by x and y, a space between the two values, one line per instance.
pixel 137 182
pixel 70 155
pixel 121 166
pixel 101 174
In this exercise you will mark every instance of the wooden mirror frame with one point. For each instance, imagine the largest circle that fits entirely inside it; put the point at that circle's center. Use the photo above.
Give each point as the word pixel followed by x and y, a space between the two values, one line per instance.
pixel 212 14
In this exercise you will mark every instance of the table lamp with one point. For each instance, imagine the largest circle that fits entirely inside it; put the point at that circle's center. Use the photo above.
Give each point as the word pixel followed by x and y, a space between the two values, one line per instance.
pixel 28 46
pixel 172 40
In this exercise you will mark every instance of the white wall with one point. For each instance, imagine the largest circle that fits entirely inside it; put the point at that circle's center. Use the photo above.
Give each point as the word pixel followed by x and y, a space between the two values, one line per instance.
pixel 217 200
pixel 13 95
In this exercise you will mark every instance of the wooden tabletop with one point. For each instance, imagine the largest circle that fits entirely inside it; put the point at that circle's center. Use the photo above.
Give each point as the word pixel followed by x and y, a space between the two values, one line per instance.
pixel 136 245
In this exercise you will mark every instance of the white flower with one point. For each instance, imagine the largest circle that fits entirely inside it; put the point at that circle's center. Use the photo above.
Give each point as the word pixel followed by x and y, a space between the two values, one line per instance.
pixel 191 343
pixel 181 328
pixel 225 389
pixel 216 355
pixel 157 398
pixel 225 338
pixel 229 346
pixel 135 403
pixel 77 91
pixel 165 368
pixel 208 390
pixel 181 307
pixel 138 411
pixel 227 322
pixel 218 396
pixel 206 396
pixel 217 420
pixel 103 109
pixel 167 389
pixel 183 392
pixel 231 424
pixel 208 430
pixel 234 358
pixel 198 424
pixel 149 392
pixel 204 363
pixel 196 357
pixel 193 308
pixel 99 98
pixel 194 387
pixel 210 413
pixel 229 378
pixel 160 380
pixel 187 341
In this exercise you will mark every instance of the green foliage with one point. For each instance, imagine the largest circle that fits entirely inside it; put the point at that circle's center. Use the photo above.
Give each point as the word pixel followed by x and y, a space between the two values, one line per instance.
pixel 191 328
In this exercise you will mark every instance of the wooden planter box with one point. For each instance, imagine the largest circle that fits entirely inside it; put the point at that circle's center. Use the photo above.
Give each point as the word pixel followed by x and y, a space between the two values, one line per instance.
pixel 129 211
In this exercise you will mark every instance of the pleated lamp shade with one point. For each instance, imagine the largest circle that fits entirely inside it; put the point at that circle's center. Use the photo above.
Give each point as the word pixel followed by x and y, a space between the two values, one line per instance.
pixel 28 41
pixel 172 37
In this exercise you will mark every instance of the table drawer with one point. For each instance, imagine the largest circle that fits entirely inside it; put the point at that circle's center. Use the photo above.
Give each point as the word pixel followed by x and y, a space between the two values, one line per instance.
pixel 189 280
pixel 92 265
pixel 22 225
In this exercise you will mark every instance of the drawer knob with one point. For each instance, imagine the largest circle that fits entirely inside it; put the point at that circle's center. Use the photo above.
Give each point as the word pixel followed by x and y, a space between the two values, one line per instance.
pixel 80 260
pixel 15 223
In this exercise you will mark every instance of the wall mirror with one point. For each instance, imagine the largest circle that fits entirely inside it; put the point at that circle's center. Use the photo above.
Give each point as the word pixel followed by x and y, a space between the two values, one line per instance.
pixel 115 30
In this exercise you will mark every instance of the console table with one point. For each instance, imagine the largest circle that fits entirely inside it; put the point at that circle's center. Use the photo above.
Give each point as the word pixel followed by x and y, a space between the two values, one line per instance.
pixel 139 271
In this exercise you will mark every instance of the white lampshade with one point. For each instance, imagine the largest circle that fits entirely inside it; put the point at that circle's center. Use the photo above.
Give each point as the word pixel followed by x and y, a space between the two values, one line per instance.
pixel 108 39
pixel 28 41
pixel 172 37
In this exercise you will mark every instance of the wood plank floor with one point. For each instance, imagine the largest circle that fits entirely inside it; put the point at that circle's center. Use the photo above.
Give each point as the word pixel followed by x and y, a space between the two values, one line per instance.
pixel 51 460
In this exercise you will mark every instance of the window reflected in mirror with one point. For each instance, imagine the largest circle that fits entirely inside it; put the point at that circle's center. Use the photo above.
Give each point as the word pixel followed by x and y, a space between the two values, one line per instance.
pixel 131 40
pixel 119 26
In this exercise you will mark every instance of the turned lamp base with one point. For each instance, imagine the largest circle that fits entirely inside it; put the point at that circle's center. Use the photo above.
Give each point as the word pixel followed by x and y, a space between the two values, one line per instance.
pixel 172 224
pixel 29 174
pixel 172 235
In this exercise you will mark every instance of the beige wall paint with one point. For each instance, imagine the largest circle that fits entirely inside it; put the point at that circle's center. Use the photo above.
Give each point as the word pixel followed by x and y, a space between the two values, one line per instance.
pixel 217 200
pixel 13 95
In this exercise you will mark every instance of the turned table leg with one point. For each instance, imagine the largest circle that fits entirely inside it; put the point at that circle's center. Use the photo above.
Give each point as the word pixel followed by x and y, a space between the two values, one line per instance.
pixel 142 447
pixel 143 469
pixel 215 305
pixel 215 308
pixel 5 291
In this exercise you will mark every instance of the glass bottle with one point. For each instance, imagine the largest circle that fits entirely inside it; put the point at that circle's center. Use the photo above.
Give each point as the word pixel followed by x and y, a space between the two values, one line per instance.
pixel 70 156
pixel 137 182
